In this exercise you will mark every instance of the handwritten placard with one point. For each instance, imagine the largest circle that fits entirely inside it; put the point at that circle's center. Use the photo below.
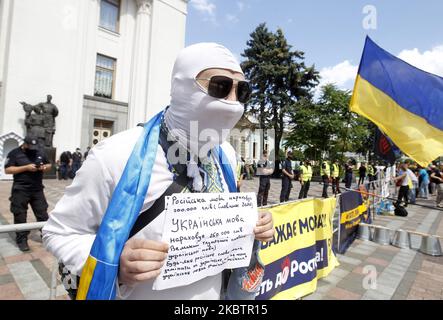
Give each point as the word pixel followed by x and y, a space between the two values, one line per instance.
pixel 206 233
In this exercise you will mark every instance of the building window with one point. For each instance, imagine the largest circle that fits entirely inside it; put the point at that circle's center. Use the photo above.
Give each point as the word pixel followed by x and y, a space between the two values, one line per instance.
pixel 109 14
pixel 104 76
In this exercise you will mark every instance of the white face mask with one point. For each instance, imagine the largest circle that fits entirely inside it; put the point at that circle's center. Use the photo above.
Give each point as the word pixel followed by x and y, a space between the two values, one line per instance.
pixel 197 119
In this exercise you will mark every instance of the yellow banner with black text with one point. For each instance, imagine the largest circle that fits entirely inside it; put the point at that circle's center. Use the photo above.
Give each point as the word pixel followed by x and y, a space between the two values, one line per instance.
pixel 301 251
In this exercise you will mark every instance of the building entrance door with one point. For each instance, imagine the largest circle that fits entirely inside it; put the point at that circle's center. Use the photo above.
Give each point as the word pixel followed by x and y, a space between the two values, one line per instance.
pixel 102 130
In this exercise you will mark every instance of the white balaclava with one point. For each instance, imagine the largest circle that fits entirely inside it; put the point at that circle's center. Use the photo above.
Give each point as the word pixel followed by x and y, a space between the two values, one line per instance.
pixel 189 103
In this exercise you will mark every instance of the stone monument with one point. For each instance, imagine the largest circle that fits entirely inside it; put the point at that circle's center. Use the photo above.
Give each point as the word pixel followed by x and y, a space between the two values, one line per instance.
pixel 40 122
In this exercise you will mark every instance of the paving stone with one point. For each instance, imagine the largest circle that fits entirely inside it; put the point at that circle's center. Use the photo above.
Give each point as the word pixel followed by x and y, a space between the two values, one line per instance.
pixel 387 255
pixel 324 289
pixel 349 260
pixel 18 258
pixel 327 297
pixel 387 290
pixel 44 272
pixel 346 266
pixel 10 291
pixel 314 296
pixel 343 294
pixel 8 248
pixel 29 281
pixel 357 256
pixel 359 270
pixel 331 279
pixel 375 295
pixel 379 262
pixel 61 291
pixel 366 249
pixel 403 289
pixel 339 273
pixel 4 270
pixel 354 283
pixel 6 278
pixel 389 281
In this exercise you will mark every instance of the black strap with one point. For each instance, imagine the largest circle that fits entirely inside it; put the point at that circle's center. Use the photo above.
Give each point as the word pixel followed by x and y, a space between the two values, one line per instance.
pixel 147 216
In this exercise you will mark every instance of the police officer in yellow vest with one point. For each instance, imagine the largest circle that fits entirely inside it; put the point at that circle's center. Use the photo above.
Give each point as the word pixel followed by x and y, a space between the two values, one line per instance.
pixel 305 179
pixel 325 172
pixel 335 174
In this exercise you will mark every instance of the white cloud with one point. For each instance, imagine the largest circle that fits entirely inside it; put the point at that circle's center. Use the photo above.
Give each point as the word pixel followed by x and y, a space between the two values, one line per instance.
pixel 430 60
pixel 204 6
pixel 207 8
pixel 344 73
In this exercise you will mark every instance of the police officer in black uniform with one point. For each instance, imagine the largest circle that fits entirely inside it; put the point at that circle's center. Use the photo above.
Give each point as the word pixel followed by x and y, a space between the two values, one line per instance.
pixel 287 177
pixel 264 170
pixel 27 164
pixel 76 161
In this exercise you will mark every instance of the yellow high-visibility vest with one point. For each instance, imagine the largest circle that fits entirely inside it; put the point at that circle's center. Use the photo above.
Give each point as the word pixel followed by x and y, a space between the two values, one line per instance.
pixel 239 173
pixel 326 171
pixel 306 173
pixel 335 170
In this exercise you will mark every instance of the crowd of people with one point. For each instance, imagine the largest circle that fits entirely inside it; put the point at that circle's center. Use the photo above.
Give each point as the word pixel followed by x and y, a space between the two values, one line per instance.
pixel 69 163
pixel 412 181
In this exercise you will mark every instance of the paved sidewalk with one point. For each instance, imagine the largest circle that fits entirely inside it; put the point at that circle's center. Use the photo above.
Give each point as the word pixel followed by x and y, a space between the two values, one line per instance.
pixel 401 274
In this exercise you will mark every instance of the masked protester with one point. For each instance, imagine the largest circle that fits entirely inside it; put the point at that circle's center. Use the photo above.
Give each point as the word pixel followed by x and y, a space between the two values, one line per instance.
pixel 207 96
pixel 27 164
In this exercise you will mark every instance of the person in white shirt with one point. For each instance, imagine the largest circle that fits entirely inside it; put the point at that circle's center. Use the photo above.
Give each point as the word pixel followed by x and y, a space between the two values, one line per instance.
pixel 413 189
pixel 403 178
pixel 208 87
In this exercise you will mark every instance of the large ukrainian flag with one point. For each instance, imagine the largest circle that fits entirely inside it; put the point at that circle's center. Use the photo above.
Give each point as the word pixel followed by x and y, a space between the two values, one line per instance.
pixel 405 102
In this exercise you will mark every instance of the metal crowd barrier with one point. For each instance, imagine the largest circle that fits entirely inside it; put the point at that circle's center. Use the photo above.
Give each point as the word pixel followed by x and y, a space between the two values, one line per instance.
pixel 21 227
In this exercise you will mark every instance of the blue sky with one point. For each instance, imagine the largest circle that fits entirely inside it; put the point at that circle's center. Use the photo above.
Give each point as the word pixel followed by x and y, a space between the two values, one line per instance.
pixel 331 33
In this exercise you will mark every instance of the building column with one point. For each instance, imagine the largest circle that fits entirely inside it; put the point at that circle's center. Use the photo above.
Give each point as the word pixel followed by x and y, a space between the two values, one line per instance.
pixel 140 64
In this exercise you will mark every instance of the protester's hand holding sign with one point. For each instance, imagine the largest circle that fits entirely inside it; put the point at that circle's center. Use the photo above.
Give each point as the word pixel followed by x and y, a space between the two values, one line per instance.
pixel 141 260
pixel 264 231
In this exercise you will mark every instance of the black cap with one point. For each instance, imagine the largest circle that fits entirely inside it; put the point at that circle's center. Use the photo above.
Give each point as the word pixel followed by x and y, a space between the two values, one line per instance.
pixel 32 142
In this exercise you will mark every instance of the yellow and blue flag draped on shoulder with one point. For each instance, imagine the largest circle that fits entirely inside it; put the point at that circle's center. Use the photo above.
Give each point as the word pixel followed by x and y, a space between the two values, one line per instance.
pixel 405 102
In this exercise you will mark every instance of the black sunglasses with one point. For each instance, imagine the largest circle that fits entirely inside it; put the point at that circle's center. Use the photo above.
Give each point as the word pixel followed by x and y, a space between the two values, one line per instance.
pixel 220 86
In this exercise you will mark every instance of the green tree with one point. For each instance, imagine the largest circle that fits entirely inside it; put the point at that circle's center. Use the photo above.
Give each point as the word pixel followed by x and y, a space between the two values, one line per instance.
pixel 327 127
pixel 278 76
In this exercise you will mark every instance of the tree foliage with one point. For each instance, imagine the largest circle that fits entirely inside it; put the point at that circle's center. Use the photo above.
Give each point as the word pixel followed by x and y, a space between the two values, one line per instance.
pixel 279 78
pixel 326 128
